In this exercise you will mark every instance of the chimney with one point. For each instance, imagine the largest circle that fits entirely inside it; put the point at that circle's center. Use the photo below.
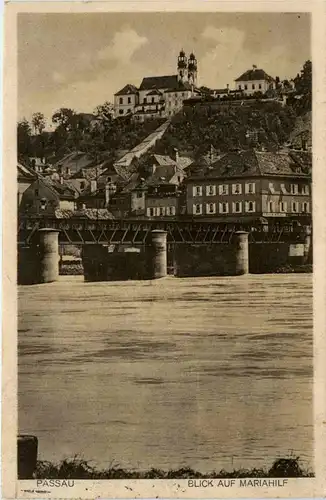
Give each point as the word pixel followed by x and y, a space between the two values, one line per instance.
pixel 93 185
pixel 107 194
pixel 152 169
pixel 61 179
pixel 228 87
pixel 176 155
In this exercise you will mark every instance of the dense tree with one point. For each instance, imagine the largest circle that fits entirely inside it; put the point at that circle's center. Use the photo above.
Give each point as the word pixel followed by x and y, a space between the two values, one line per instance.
pixel 65 118
pixel 104 112
pixel 24 138
pixel 303 81
pixel 38 122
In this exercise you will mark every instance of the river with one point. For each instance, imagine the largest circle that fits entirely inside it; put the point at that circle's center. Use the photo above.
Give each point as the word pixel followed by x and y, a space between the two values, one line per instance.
pixel 210 373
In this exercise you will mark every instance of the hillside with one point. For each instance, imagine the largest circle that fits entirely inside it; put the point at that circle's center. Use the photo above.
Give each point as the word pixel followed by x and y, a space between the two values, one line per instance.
pixel 262 124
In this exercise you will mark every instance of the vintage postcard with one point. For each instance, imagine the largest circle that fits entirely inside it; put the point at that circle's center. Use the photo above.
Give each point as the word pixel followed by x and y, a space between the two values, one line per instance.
pixel 164 250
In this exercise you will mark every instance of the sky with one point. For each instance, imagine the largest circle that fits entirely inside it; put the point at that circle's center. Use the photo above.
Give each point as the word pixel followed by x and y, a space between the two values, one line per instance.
pixel 80 60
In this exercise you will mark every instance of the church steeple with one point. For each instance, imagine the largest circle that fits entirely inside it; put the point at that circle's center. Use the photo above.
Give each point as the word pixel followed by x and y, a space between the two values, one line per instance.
pixel 192 69
pixel 182 67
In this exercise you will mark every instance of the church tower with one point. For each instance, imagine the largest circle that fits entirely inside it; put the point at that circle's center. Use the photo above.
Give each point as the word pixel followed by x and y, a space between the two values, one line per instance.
pixel 192 70
pixel 182 67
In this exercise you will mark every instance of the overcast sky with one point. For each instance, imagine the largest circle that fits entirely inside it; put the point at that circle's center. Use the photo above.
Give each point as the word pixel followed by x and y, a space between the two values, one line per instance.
pixel 81 60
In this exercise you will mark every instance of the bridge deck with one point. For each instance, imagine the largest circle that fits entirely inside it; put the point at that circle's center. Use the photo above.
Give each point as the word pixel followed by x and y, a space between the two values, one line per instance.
pixel 137 232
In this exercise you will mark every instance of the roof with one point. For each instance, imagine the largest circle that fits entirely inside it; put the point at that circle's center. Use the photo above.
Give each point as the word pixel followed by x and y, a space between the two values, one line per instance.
pixel 62 190
pixel 25 172
pixel 154 92
pixel 87 213
pixel 179 87
pixel 163 175
pixel 75 161
pixel 221 91
pixel 127 89
pixel 164 160
pixel 255 163
pixel 254 74
pixel 159 82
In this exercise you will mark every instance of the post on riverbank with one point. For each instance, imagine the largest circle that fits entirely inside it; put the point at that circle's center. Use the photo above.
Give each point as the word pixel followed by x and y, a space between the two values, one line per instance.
pixel 158 254
pixel 26 456
pixel 241 244
pixel 49 255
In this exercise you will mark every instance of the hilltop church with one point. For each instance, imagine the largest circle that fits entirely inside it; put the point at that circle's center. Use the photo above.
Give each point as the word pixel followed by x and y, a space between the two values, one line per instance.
pixel 159 96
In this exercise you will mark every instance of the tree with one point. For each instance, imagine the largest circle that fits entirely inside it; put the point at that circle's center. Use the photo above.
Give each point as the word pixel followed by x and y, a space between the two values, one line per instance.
pixel 38 122
pixel 65 118
pixel 303 81
pixel 23 138
pixel 105 112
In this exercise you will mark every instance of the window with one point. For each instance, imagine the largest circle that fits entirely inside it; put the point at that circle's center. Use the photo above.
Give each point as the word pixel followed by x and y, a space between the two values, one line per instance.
pixel 36 192
pixel 250 206
pixel 172 210
pixel 121 100
pixel 210 208
pixel 197 191
pixel 82 185
pixel 305 207
pixel 210 190
pixel 283 206
pixel 271 206
pixel 129 100
pixel 259 86
pixel 246 87
pixel 295 207
pixel 223 189
pixel 43 204
pixel 153 99
pixel 120 111
pixel 145 100
pixel 239 87
pixel 129 110
pixel 294 188
pixel 305 189
pixel 236 189
pixel 150 212
pixel 161 211
pixel 197 209
pixel 224 208
pixel 283 189
pixel 139 194
pixel 271 188
pixel 250 188
pixel 237 207
pixel 175 95
pixel 253 86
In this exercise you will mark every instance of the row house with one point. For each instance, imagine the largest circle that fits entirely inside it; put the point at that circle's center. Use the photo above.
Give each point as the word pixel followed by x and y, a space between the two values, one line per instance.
pixel 250 184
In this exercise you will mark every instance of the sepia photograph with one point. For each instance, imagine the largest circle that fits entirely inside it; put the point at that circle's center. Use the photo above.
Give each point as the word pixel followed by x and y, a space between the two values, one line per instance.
pixel 164 165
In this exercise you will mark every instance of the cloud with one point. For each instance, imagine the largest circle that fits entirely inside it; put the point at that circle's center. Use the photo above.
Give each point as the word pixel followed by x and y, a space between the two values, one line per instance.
pixel 58 77
pixel 219 64
pixel 123 46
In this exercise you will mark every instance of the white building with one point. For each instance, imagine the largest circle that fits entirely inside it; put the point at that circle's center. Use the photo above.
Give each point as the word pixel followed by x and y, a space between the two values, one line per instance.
pixel 159 96
pixel 125 100
pixel 254 80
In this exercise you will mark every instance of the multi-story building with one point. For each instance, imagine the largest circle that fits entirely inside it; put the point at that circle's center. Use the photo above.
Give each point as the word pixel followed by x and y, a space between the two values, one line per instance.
pixel 159 95
pixel 254 80
pixel 125 100
pixel 251 184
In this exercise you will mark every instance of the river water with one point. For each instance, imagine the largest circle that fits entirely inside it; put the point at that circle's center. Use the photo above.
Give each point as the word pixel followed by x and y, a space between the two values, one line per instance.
pixel 206 372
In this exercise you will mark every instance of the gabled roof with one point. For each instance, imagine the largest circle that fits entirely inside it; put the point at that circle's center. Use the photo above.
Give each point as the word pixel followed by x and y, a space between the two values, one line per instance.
pixel 254 163
pixel 127 90
pixel 159 82
pixel 254 74
pixel 154 92
pixel 164 160
pixel 24 172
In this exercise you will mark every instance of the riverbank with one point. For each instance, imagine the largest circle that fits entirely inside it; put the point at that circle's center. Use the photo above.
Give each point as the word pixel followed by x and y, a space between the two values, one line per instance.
pixel 81 469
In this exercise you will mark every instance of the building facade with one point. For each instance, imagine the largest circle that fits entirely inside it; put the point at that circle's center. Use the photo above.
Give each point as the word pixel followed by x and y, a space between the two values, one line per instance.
pixel 250 185
pixel 254 80
pixel 159 96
